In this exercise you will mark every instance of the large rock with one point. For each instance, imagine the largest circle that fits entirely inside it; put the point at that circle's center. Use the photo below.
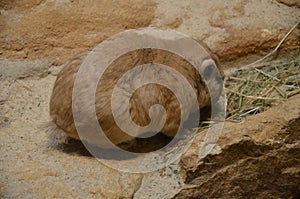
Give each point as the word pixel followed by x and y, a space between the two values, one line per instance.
pixel 63 28
pixel 290 2
pixel 257 158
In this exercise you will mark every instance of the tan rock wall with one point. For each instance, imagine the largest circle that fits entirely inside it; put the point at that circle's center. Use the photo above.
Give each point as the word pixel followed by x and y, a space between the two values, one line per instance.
pixel 63 28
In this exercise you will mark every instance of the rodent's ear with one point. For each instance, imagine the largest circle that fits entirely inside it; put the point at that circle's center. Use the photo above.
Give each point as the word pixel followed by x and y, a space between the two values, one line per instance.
pixel 208 66
pixel 217 62
pixel 214 57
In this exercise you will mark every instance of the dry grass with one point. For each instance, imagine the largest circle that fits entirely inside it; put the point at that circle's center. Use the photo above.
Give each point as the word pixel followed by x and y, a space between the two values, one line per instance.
pixel 254 90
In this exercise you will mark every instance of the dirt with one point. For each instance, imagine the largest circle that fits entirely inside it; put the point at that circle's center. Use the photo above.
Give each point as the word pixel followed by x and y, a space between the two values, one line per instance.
pixel 31 167
pixel 35 166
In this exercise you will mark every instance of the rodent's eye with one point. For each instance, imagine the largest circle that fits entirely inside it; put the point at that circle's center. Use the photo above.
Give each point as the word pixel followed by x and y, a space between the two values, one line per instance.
pixel 218 79
pixel 209 67
pixel 211 72
pixel 208 70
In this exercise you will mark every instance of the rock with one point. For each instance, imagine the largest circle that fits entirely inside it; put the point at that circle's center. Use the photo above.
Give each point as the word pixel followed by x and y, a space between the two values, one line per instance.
pixel 164 183
pixel 64 28
pixel 290 2
pixel 24 69
pixel 232 28
pixel 258 158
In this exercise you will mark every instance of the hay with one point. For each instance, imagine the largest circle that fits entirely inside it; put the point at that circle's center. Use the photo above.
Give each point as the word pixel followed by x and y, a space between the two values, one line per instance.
pixel 254 90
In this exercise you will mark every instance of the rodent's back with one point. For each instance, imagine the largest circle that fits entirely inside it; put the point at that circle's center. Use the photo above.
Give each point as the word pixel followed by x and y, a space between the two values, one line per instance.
pixel 141 100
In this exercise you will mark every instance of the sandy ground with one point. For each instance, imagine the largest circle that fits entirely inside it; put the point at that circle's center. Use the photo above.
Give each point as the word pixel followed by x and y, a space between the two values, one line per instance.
pixel 33 166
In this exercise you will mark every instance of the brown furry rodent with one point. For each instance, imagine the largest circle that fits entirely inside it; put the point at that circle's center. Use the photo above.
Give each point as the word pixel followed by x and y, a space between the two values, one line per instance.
pixel 142 99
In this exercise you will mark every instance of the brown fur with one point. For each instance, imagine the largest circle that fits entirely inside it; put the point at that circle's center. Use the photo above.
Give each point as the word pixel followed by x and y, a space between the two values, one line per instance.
pixel 142 99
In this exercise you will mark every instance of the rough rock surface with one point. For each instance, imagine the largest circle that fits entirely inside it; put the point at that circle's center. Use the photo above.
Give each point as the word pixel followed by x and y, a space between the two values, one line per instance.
pixel 62 28
pixel 257 158
pixel 231 28
pixel 290 2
